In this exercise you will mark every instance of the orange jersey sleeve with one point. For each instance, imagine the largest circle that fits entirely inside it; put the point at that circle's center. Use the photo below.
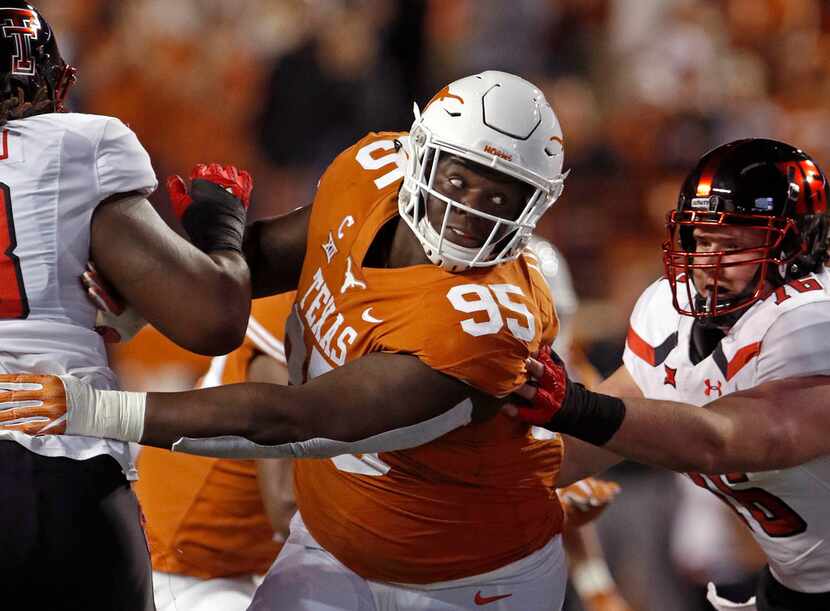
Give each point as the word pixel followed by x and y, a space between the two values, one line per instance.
pixel 205 516
pixel 416 516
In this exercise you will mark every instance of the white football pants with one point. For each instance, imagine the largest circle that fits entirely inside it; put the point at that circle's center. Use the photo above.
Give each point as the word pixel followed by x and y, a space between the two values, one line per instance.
pixel 305 577
pixel 184 593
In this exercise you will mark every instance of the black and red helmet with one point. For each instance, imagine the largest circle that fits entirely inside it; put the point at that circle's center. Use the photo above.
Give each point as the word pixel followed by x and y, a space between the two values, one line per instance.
pixel 29 56
pixel 769 186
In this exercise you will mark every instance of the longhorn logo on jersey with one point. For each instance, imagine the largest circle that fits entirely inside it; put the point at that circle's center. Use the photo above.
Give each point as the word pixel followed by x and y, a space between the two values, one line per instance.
pixel 349 280
pixel 22 26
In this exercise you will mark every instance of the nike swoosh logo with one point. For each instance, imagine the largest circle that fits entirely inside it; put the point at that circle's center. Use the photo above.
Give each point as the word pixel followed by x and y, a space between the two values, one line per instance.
pixel 486 600
pixel 367 316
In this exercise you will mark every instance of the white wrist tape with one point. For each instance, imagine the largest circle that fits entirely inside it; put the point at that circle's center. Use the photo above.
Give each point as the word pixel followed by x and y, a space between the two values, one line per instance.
pixel 112 414
pixel 232 446
pixel 592 577
pixel 722 604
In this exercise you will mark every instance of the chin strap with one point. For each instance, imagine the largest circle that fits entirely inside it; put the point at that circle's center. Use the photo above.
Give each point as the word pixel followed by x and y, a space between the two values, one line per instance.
pixel 451 256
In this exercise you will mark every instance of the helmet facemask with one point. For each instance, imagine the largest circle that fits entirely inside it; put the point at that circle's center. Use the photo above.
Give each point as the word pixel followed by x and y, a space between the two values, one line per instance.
pixel 751 217
pixel 506 237
pixel 501 128
pixel 772 245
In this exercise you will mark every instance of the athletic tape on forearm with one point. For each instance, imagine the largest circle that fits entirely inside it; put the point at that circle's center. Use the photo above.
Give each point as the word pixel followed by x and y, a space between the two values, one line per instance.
pixel 232 446
pixel 112 414
pixel 589 416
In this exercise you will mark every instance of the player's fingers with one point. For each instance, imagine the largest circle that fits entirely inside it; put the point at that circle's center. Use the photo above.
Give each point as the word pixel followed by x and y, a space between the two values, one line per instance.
pixel 526 391
pixel 200 170
pixel 94 295
pixel 89 279
pixel 216 170
pixel 511 410
pixel 21 381
pixel 611 487
pixel 109 335
pixel 535 368
pixel 177 192
pixel 247 183
pixel 105 301
pixel 176 188
pixel 30 428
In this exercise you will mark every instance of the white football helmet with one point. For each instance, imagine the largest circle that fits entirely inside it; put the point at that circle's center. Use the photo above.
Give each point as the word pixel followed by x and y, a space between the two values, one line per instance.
pixel 497 120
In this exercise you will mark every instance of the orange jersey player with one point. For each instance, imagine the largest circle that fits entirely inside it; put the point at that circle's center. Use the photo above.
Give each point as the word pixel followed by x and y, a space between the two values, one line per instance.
pixel 416 310
pixel 208 526
pixel 366 510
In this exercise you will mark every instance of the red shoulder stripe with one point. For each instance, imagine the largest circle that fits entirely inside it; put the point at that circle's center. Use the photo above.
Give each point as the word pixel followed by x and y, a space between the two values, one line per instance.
pixel 741 358
pixel 641 347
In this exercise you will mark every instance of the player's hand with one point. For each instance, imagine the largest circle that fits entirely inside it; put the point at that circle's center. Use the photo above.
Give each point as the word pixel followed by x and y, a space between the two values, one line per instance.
pixel 35 404
pixel 585 500
pixel 605 601
pixel 544 393
pixel 209 180
pixel 214 211
pixel 115 320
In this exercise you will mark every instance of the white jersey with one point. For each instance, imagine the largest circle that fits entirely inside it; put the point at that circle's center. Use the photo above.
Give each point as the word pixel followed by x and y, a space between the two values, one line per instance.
pixel 54 170
pixel 785 335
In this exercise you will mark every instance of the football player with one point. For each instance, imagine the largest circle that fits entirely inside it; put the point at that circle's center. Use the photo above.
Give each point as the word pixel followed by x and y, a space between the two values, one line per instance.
pixel 740 324
pixel 74 186
pixel 416 310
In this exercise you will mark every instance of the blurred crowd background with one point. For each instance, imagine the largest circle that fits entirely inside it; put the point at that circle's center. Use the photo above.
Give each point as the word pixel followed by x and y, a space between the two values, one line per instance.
pixel 642 89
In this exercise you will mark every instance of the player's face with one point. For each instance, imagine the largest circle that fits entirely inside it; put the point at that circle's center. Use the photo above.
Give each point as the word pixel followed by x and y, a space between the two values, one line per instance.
pixel 480 189
pixel 731 279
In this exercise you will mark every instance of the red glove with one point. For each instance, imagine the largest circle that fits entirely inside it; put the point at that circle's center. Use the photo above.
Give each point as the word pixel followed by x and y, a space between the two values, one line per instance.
pixel 115 320
pixel 551 388
pixel 214 212
pixel 237 183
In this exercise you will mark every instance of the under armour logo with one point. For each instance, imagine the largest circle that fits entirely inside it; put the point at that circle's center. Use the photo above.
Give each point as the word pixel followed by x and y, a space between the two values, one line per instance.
pixel 349 281
pixel 709 388
pixel 329 248
pixel 670 376
pixel 22 26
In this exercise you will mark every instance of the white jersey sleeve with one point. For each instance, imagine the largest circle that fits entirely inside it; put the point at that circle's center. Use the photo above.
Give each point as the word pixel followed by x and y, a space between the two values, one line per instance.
pixel 121 162
pixel 797 344
pixel 652 335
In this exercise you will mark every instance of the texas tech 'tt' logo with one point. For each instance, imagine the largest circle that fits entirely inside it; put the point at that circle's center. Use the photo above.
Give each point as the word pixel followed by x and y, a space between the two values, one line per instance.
pixel 22 26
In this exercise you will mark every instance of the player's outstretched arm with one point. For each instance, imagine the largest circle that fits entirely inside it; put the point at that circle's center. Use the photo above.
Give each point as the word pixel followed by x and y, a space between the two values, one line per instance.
pixel 275 250
pixel 379 402
pixel 775 425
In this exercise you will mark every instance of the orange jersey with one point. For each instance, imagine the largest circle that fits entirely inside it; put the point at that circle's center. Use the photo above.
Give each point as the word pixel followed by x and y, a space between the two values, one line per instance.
pixel 481 496
pixel 205 516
